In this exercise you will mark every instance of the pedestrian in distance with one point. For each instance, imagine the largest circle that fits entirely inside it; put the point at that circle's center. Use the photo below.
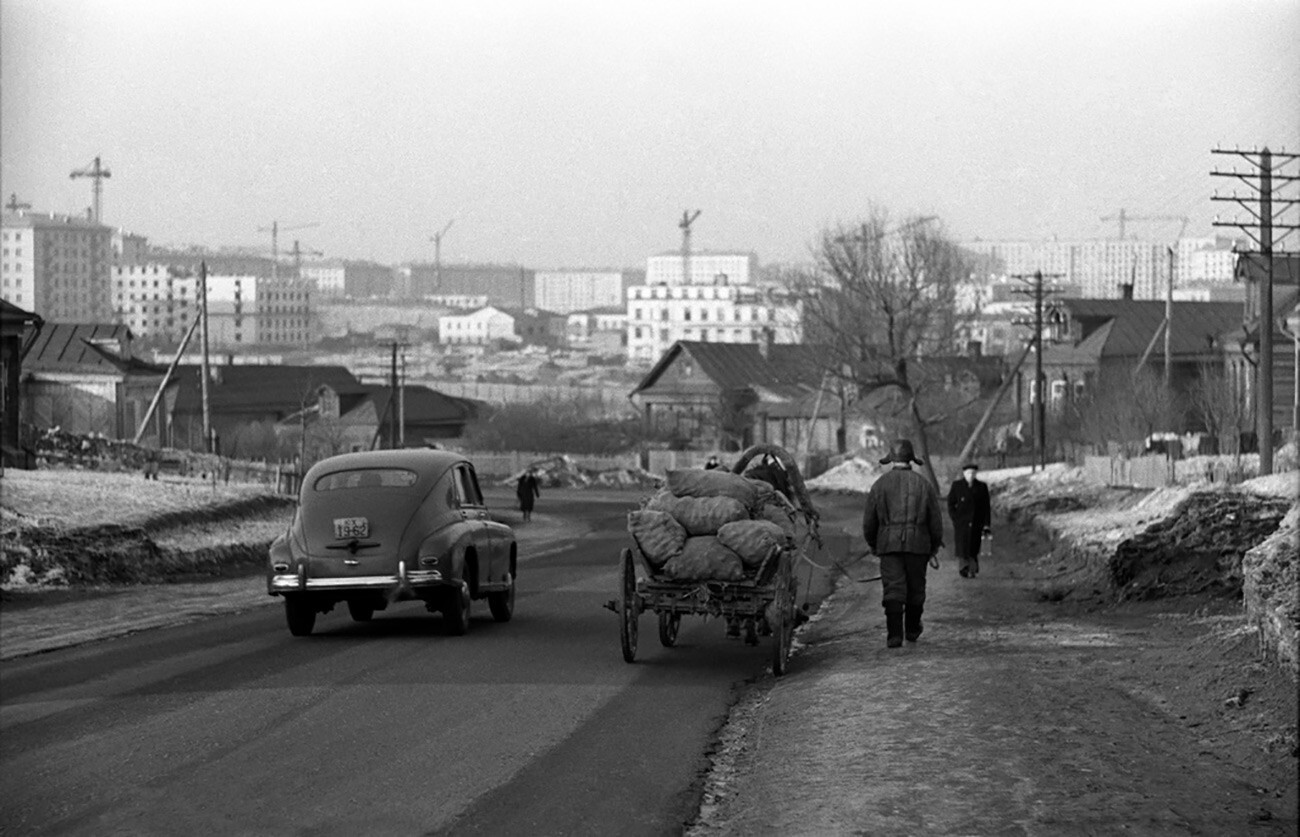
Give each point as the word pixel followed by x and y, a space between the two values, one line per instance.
pixel 527 490
pixel 968 506
pixel 903 525
pixel 713 464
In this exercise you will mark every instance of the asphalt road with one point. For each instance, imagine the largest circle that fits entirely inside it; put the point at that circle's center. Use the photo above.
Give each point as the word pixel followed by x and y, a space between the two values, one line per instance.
pixel 230 725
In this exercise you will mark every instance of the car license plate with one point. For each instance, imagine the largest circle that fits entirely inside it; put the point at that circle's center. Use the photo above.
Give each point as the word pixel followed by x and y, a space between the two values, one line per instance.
pixel 351 527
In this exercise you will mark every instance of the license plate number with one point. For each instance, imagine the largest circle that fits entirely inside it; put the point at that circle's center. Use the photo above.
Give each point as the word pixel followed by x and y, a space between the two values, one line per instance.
pixel 351 527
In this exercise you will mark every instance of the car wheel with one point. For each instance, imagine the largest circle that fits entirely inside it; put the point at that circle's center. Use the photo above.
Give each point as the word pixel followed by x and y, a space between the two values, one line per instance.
pixel 361 611
pixel 502 604
pixel 455 612
pixel 300 613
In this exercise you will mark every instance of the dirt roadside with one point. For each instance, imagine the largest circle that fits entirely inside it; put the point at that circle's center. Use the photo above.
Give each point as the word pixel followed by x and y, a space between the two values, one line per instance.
pixel 1013 715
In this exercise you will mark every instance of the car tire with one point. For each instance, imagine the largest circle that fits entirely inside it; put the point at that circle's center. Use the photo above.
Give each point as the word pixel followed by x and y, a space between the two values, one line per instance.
pixel 300 613
pixel 502 604
pixel 361 611
pixel 455 611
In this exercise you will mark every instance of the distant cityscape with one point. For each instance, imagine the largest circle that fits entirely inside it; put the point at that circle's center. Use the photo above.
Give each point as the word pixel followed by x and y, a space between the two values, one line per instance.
pixel 77 270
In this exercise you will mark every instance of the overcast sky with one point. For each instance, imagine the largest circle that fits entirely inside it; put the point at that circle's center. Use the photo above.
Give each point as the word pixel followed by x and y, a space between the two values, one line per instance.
pixel 572 134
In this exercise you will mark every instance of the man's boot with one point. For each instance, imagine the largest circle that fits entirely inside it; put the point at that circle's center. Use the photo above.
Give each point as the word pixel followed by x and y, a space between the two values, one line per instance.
pixel 894 628
pixel 912 622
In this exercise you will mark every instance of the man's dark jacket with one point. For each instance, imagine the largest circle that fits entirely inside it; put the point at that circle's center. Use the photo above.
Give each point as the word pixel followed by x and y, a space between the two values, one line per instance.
pixel 903 514
pixel 969 503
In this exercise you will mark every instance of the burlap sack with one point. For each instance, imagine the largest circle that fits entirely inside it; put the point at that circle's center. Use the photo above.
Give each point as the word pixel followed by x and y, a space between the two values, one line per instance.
pixel 699 515
pixel 763 492
pixel 716 483
pixel 752 540
pixel 704 559
pixel 657 535
pixel 782 514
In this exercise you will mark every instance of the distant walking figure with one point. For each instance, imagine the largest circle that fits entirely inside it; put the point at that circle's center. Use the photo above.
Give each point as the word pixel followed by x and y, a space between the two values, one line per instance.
pixel 968 506
pixel 713 464
pixel 527 491
pixel 903 524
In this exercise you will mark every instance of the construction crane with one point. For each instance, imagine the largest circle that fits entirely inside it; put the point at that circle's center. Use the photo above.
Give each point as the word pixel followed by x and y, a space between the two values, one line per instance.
pixel 298 253
pixel 14 204
pixel 275 229
pixel 96 172
pixel 1123 217
pixel 688 218
pixel 436 238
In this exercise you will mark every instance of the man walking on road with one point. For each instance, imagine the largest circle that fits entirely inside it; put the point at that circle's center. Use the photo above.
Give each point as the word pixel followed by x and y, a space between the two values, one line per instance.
pixel 903 524
pixel 968 506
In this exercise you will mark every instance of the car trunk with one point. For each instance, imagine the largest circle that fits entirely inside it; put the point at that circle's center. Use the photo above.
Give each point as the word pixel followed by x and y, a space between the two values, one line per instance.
pixel 339 548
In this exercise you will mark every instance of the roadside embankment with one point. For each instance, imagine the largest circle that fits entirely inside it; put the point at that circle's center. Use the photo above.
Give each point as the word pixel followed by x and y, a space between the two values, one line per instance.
pixel 1117 544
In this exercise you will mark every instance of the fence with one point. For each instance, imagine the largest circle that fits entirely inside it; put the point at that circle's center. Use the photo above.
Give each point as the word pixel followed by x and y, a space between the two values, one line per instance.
pixel 1159 470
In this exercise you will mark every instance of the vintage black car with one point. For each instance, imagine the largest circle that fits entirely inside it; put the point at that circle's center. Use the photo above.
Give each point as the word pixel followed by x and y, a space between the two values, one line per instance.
pixel 378 527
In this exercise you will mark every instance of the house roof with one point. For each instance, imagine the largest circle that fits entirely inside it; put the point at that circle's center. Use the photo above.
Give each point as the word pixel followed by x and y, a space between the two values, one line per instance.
pixel 1125 327
pixel 85 348
pixel 259 389
pixel 422 406
pixel 788 371
pixel 1286 268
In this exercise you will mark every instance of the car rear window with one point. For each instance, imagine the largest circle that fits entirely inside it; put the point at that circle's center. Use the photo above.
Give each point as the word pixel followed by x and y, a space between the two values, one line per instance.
pixel 366 478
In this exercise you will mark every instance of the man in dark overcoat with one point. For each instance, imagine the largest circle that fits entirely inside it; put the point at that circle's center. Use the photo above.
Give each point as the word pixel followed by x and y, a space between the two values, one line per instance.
pixel 903 524
pixel 968 506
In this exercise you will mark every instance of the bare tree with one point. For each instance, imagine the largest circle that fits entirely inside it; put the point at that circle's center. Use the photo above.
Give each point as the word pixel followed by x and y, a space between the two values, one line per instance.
pixel 883 300
pixel 1226 414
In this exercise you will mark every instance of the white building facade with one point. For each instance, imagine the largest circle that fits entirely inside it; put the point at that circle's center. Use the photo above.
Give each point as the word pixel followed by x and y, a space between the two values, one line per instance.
pixel 660 315
pixel 477 328
pixel 154 300
pixel 57 266
pixel 706 268
pixel 566 291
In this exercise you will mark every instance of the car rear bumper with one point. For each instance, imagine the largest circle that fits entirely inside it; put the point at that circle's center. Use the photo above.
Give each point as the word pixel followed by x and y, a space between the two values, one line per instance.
pixel 403 579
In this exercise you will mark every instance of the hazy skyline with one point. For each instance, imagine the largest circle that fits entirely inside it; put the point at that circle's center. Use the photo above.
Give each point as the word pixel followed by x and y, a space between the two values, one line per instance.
pixel 574 134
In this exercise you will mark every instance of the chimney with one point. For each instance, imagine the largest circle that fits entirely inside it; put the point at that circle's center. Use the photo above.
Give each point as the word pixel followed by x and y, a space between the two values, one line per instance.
pixel 1126 290
pixel 765 347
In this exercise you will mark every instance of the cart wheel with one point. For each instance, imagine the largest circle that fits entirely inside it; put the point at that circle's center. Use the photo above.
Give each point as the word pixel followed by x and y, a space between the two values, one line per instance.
pixel 782 620
pixel 668 625
pixel 631 609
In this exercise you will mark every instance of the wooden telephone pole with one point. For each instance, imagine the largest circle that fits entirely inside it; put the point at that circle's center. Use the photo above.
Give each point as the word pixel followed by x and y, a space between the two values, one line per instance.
pixel 1265 180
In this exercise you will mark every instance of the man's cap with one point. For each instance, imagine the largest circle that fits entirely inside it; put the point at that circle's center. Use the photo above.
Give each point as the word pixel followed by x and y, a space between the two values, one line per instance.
pixel 972 465
pixel 901 452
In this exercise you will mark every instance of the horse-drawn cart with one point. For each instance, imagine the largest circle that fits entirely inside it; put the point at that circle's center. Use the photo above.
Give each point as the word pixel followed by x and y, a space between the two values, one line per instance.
pixel 761 602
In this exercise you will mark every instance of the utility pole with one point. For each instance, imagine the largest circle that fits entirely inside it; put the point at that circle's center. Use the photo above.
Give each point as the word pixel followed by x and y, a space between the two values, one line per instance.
pixel 436 238
pixel 97 173
pixel 1261 180
pixel 1169 321
pixel 392 401
pixel 203 314
pixel 1038 406
pixel 688 218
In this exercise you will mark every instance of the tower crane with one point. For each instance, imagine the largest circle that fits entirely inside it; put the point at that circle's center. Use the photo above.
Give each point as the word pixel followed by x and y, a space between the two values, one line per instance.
pixel 14 204
pixel 298 252
pixel 688 218
pixel 275 229
pixel 436 238
pixel 96 172
pixel 1123 217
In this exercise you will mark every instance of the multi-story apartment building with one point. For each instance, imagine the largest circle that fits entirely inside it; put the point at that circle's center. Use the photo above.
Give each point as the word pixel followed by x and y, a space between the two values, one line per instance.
pixel 337 278
pixel 706 268
pixel 660 315
pixel 57 266
pixel 1101 269
pixel 155 300
pixel 245 310
pixel 507 286
pixel 567 291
